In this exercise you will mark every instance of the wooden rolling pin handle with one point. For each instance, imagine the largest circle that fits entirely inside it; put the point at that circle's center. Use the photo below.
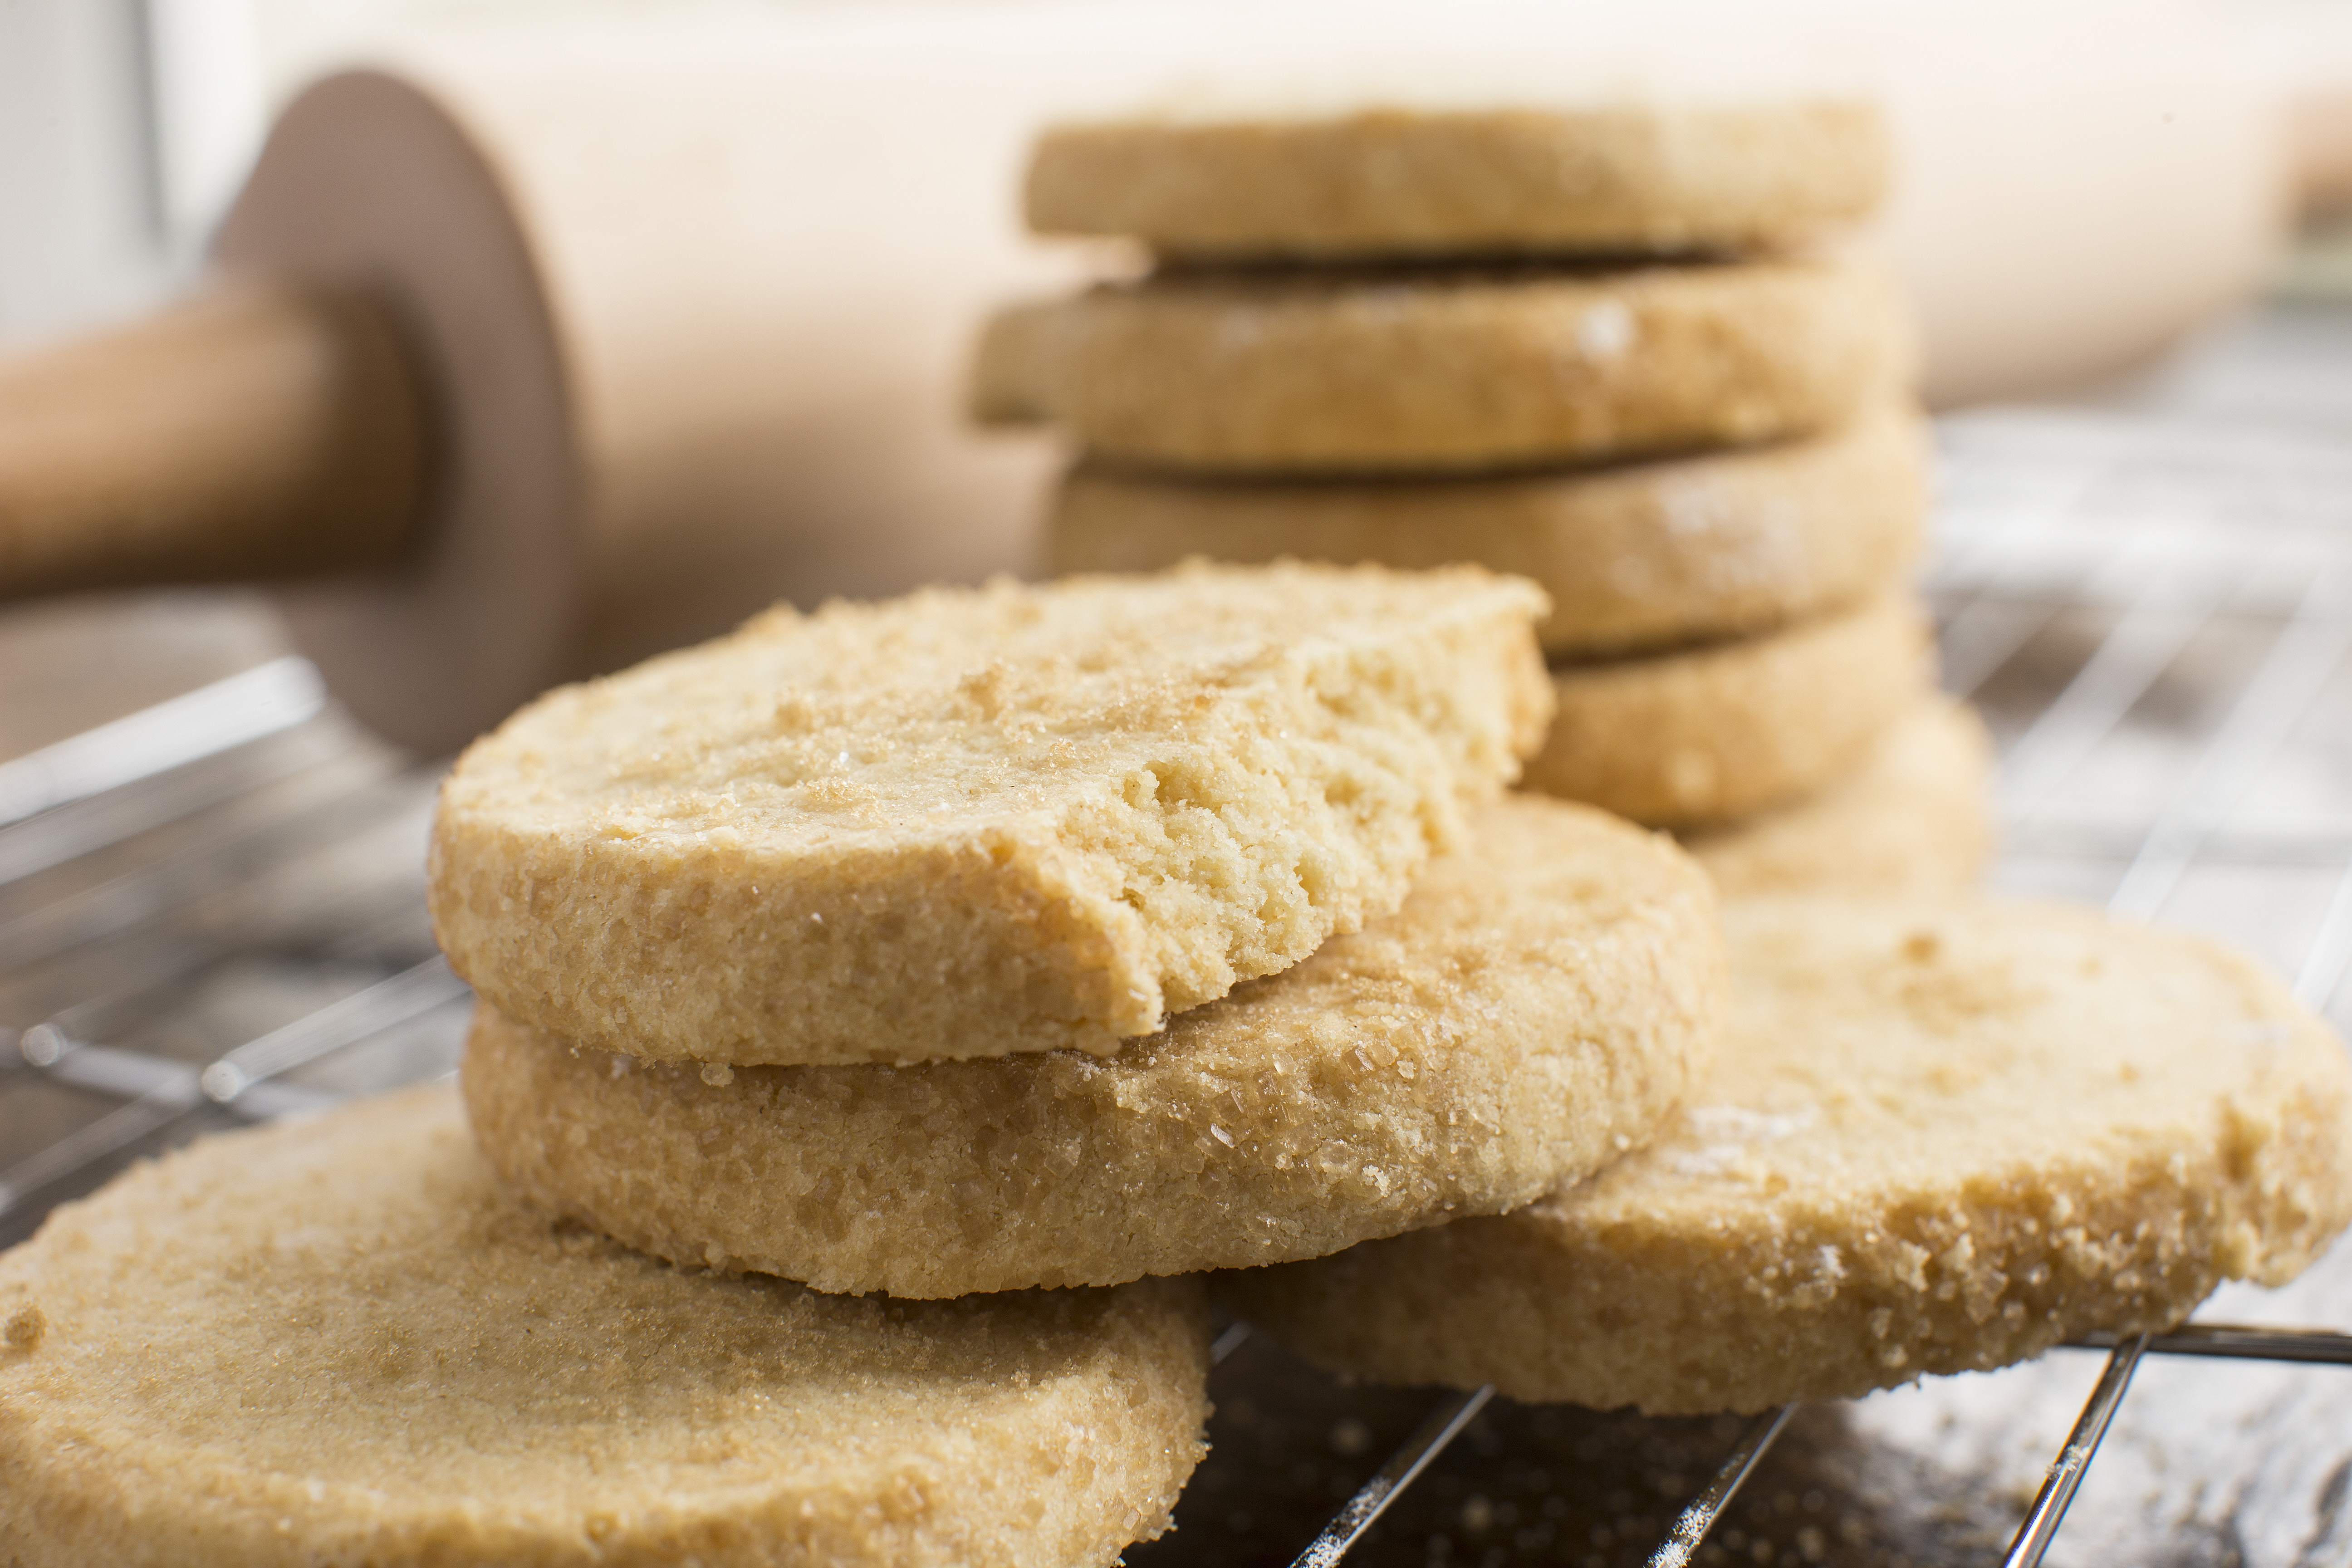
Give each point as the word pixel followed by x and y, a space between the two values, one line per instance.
pixel 253 432
pixel 2319 126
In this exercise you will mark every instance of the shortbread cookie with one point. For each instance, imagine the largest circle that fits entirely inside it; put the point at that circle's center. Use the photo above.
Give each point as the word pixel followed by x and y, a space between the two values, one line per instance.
pixel 1394 182
pixel 1720 733
pixel 973 822
pixel 1670 551
pixel 1013 367
pixel 1534 1008
pixel 1939 1136
pixel 1917 820
pixel 342 1343
pixel 1425 370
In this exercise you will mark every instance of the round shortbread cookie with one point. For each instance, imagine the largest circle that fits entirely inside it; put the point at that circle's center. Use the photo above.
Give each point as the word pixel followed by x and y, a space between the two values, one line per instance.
pixel 1430 372
pixel 1533 1010
pixel 340 1342
pixel 1717 734
pixel 1629 177
pixel 1938 1137
pixel 1669 551
pixel 977 822
pixel 1917 820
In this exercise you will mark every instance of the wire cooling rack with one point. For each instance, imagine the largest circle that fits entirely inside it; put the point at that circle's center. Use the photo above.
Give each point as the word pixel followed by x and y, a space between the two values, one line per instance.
pixel 211 912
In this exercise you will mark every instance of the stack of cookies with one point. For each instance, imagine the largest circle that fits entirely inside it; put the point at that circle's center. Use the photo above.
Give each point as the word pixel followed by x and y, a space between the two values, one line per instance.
pixel 847 980
pixel 1060 936
pixel 1589 346
pixel 945 948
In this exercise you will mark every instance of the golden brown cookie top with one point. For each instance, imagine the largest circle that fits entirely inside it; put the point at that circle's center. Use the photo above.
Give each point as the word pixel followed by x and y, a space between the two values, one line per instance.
pixel 340 1340
pixel 1924 1054
pixel 1621 178
pixel 975 821
pixel 1940 1136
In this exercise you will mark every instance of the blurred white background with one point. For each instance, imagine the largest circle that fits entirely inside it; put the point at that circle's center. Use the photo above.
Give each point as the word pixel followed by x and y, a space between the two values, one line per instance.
pixel 126 126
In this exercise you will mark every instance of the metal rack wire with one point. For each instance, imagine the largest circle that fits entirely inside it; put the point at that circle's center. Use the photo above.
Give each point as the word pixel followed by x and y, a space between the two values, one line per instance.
pixel 211 912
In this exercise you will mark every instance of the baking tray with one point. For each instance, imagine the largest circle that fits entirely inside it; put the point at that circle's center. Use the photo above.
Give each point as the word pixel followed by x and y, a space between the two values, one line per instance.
pixel 211 913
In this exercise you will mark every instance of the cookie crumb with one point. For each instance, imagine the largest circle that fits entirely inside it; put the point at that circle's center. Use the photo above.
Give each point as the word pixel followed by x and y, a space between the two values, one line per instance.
pixel 26 1328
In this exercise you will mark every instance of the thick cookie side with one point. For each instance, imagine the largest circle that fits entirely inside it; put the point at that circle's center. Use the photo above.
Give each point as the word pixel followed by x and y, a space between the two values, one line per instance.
pixel 1915 820
pixel 1674 549
pixel 1716 733
pixel 1533 1009
pixel 1432 371
pixel 1403 182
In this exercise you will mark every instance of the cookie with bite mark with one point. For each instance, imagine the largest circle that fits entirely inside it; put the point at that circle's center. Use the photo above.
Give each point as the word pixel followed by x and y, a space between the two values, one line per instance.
pixel 979 821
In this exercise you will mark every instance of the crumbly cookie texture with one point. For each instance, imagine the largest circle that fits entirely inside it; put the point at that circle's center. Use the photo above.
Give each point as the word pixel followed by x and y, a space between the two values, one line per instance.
pixel 1396 181
pixel 1638 556
pixel 1723 731
pixel 975 822
pixel 340 1342
pixel 1435 371
pixel 1534 1009
pixel 1917 820
pixel 1939 1136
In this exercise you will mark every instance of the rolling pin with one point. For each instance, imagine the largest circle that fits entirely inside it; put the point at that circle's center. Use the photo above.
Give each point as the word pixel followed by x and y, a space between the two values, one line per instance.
pixel 517 363
pixel 528 350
